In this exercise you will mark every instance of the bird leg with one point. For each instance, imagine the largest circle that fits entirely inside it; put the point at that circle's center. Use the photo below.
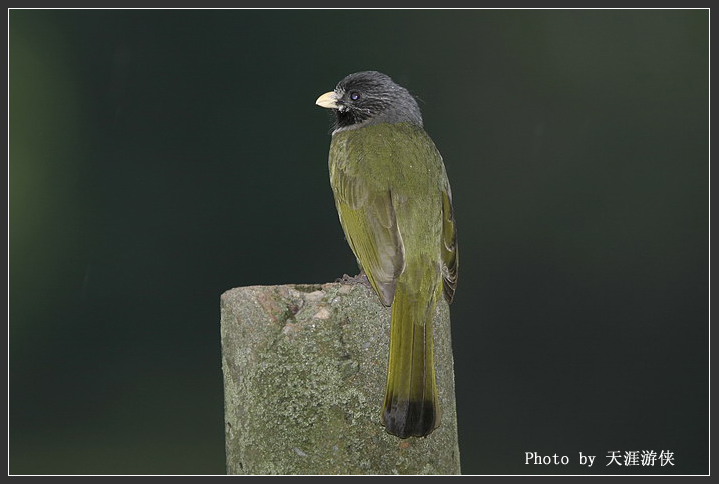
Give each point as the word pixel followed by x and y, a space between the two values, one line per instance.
pixel 360 278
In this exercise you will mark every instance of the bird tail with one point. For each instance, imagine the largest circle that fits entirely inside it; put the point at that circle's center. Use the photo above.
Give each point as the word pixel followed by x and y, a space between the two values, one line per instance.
pixel 411 406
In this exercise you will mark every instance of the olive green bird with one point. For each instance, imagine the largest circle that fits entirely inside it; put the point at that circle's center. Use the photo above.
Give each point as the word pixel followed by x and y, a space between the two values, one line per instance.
pixel 395 206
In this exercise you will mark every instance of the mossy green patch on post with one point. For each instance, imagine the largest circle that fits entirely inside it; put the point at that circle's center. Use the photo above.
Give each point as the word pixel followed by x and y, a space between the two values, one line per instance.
pixel 304 370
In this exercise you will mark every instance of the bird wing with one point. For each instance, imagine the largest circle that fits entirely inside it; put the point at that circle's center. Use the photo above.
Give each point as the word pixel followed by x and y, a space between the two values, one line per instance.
pixel 450 252
pixel 370 225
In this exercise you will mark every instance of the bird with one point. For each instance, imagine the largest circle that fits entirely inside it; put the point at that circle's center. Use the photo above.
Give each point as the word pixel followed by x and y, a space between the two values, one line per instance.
pixel 394 203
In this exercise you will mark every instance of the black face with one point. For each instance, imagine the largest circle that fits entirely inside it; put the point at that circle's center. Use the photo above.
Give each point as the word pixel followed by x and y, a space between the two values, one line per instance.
pixel 372 97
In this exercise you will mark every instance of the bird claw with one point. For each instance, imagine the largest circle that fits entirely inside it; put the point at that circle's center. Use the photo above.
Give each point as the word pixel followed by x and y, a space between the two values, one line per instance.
pixel 360 278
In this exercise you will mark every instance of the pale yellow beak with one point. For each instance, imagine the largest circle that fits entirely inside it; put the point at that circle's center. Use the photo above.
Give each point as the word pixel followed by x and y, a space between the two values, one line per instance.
pixel 328 100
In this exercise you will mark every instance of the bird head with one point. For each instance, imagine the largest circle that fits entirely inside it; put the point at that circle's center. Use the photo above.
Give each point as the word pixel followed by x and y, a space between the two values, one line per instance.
pixel 369 97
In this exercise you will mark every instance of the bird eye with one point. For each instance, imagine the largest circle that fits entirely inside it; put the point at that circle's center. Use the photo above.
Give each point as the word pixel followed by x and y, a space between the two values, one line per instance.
pixel 354 95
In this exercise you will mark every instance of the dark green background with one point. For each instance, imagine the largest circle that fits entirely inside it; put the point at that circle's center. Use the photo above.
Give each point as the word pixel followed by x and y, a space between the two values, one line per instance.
pixel 159 158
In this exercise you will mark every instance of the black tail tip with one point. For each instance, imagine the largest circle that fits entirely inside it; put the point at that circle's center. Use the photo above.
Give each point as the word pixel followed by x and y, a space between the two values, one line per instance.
pixel 413 418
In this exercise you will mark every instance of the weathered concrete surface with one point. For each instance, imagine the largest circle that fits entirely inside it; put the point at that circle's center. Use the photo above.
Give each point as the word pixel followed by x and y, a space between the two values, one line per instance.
pixel 304 369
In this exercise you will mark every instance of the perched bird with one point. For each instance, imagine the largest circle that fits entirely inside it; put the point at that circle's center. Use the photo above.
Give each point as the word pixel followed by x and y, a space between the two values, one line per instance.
pixel 395 206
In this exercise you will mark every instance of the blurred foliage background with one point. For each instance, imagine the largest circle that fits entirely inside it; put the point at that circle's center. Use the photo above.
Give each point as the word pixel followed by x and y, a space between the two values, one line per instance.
pixel 160 157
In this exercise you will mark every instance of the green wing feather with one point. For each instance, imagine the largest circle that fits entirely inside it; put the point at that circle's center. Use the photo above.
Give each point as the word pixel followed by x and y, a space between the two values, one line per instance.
pixel 370 225
pixel 450 252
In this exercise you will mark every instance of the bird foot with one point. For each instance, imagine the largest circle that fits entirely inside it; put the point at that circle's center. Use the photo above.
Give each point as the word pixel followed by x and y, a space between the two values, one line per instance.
pixel 360 278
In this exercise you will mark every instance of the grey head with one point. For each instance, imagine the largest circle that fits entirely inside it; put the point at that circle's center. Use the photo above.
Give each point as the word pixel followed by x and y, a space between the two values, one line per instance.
pixel 369 97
